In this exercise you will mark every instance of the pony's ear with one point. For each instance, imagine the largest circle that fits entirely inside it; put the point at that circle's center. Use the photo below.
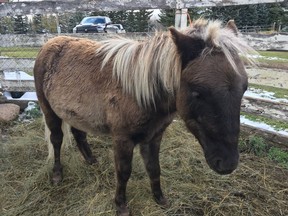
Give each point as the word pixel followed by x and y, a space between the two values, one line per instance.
pixel 188 47
pixel 232 26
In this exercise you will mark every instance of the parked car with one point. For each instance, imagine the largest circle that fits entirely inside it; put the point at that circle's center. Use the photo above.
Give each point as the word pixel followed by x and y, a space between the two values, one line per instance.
pixel 284 29
pixel 116 28
pixel 96 24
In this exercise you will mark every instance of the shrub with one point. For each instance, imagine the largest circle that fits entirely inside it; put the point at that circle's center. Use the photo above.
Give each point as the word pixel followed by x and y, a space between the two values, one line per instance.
pixel 279 156
pixel 257 146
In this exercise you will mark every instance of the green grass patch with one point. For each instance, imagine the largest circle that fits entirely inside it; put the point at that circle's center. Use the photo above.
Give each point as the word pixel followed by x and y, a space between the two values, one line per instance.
pixel 19 52
pixel 258 146
pixel 282 55
pixel 255 145
pixel 269 60
pixel 279 156
pixel 278 92
pixel 276 124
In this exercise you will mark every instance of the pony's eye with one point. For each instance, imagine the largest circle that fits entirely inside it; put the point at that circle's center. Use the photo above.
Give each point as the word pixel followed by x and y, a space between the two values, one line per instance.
pixel 245 87
pixel 199 119
pixel 195 94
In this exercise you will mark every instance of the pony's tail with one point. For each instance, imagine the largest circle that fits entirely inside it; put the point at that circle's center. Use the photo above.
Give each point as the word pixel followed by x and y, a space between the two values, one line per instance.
pixel 67 138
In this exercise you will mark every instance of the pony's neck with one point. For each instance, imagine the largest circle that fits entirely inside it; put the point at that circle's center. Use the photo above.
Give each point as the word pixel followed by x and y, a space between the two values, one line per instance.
pixel 165 103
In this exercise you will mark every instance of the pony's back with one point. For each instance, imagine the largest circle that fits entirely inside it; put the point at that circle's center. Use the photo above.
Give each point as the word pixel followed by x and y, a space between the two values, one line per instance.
pixel 69 80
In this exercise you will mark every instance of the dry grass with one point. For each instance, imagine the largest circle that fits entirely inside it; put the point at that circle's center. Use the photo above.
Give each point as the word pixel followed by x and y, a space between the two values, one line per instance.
pixel 259 187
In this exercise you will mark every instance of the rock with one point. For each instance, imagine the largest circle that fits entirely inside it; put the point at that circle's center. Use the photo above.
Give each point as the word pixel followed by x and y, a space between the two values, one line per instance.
pixel 2 99
pixel 8 112
pixel 21 103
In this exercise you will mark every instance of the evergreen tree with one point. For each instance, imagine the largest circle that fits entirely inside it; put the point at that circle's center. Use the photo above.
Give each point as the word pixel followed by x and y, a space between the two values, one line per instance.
pixel 37 23
pixel 131 25
pixel 20 24
pixel 112 15
pixel 48 23
pixel 74 20
pixel 284 18
pixel 276 14
pixel 64 23
pixel 167 17
pixel 71 24
pixel 119 17
pixel 141 18
pixel 6 25
pixel 26 25
pixel 249 15
pixel 196 13
pixel 78 16
pixel 263 14
pixel 223 13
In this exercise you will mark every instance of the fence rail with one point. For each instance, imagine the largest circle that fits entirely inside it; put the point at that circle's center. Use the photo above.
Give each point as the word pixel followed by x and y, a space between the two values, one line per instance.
pixel 266 108
pixel 19 82
pixel 275 27
pixel 17 52
pixel 17 64
pixel 249 29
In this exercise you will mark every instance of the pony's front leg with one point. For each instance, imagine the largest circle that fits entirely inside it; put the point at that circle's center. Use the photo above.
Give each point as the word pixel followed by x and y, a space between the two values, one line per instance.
pixel 150 154
pixel 123 153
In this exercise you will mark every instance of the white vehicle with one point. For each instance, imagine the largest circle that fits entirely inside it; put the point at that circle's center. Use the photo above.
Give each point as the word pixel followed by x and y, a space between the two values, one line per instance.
pixel 115 28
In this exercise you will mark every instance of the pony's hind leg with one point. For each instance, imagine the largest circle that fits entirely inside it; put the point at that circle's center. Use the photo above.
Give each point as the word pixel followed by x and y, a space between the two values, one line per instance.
pixel 150 155
pixel 83 145
pixel 56 137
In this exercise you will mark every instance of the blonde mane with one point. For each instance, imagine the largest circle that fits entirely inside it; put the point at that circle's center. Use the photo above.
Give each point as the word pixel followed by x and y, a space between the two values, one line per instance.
pixel 222 39
pixel 142 66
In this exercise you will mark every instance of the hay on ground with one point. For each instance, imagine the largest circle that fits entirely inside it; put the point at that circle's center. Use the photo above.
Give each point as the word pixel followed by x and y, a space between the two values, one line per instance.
pixel 259 187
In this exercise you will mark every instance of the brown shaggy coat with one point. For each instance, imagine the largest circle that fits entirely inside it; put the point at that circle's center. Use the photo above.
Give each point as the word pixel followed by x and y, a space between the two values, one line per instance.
pixel 133 89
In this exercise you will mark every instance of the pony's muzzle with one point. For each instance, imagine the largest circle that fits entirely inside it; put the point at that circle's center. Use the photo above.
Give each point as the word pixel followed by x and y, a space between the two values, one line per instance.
pixel 224 165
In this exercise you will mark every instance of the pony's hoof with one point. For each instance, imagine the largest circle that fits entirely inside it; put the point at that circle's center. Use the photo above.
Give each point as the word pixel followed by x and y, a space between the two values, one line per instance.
pixel 163 202
pixel 123 211
pixel 91 160
pixel 56 178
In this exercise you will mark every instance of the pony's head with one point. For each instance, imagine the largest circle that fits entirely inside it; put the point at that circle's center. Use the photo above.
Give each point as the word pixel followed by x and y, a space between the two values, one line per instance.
pixel 212 83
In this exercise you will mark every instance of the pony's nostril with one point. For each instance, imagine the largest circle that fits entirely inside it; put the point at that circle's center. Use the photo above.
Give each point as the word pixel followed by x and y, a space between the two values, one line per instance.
pixel 224 168
pixel 218 164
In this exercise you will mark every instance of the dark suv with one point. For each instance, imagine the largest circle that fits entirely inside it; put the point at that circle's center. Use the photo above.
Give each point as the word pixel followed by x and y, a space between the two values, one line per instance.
pixel 92 24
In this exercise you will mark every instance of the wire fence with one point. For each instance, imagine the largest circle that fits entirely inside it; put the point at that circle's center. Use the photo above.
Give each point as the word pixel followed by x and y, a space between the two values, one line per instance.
pixel 257 29
pixel 18 52
pixel 275 27
pixel 17 64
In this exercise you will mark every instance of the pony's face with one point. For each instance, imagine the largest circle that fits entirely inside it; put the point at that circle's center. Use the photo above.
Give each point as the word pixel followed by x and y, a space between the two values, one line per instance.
pixel 209 101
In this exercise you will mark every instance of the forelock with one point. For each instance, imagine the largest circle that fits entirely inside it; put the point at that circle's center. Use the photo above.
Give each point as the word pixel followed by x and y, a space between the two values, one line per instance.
pixel 222 39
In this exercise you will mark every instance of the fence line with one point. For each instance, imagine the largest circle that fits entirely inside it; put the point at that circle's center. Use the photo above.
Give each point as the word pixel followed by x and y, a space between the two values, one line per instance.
pixel 17 52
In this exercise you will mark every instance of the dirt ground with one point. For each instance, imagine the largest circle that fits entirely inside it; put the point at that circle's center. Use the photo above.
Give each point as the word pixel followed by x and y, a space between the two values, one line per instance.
pixel 268 76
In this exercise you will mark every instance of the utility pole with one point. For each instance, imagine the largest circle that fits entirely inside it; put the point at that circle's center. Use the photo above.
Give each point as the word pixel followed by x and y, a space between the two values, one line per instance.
pixel 181 15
